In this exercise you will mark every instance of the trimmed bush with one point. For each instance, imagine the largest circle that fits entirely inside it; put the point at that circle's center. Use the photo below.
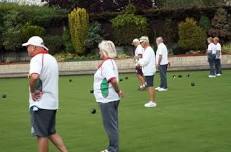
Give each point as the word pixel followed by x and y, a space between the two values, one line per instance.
pixel 205 23
pixel 78 25
pixel 191 36
pixel 67 41
pixel 18 23
pixel 30 30
pixel 128 26
pixel 94 36
pixel 221 25
pixel 54 43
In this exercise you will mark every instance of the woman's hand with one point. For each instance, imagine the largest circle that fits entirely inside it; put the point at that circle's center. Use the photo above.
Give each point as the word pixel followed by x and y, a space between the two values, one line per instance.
pixel 36 95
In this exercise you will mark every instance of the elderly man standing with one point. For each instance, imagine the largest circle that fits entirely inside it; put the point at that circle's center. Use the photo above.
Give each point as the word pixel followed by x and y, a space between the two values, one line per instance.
pixel 149 69
pixel 138 55
pixel 43 86
pixel 162 63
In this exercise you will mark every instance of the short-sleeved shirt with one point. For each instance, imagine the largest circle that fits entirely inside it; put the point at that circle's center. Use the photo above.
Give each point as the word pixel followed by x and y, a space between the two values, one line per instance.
pixel 218 50
pixel 103 90
pixel 212 48
pixel 46 66
pixel 148 62
pixel 162 50
pixel 139 51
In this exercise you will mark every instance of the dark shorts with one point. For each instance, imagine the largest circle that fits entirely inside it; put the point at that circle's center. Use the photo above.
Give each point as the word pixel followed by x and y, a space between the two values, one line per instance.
pixel 43 122
pixel 139 70
pixel 149 81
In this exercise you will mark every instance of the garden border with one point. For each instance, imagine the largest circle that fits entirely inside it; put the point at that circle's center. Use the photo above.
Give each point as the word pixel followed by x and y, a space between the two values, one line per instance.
pixel 124 65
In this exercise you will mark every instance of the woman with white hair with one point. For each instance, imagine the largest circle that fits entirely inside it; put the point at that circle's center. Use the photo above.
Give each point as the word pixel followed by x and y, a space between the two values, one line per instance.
pixel 138 55
pixel 107 93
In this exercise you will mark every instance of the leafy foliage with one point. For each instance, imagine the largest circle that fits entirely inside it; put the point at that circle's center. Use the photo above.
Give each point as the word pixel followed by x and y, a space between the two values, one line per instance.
pixel 78 24
pixel 94 36
pixel 188 3
pixel 18 23
pixel 205 23
pixel 54 43
pixel 221 25
pixel 128 26
pixel 29 30
pixel 68 47
pixel 191 36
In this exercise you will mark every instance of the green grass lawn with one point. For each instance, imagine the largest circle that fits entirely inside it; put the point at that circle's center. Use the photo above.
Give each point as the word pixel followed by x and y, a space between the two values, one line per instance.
pixel 187 119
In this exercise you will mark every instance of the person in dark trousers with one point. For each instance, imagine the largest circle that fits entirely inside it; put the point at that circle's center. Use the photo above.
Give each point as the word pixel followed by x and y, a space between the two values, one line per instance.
pixel 218 56
pixel 211 52
pixel 162 63
pixel 43 90
pixel 107 93
pixel 138 55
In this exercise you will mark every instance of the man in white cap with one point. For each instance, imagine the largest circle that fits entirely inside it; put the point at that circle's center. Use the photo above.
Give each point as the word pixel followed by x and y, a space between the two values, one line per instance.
pixel 138 55
pixel 43 98
pixel 149 68
pixel 162 63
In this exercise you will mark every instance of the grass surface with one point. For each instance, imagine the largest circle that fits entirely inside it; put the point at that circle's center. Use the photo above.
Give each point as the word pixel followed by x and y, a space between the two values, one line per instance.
pixel 187 119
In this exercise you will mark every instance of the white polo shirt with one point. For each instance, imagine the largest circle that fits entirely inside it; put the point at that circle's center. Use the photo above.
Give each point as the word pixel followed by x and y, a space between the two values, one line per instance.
pixel 106 72
pixel 139 51
pixel 162 50
pixel 46 66
pixel 148 62
pixel 218 50
pixel 212 48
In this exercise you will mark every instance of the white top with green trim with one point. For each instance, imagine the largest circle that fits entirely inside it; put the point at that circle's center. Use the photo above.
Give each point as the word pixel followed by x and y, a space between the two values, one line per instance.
pixel 103 91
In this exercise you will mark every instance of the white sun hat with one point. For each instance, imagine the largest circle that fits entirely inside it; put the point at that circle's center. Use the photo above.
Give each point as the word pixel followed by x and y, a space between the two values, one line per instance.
pixel 36 41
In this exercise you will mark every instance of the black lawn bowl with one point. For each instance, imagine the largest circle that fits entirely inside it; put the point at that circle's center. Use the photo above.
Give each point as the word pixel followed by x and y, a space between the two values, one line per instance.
pixel 93 111
pixel 126 78
pixel 4 96
pixel 193 84
pixel 121 79
pixel 179 76
pixel 188 75
pixel 70 80
pixel 91 91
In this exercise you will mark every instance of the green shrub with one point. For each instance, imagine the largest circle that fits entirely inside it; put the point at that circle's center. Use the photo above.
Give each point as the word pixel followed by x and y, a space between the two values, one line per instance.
pixel 30 30
pixel 128 26
pixel 78 25
pixel 11 39
pixel 227 48
pixel 94 36
pixel 68 47
pixel 221 25
pixel 191 36
pixel 188 3
pixel 205 23
pixel 54 43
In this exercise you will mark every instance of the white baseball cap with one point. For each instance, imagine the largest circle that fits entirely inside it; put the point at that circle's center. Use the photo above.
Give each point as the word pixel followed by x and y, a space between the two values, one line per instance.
pixel 36 41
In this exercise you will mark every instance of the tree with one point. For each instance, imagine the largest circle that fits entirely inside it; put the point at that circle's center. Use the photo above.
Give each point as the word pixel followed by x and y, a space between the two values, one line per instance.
pixel 221 25
pixel 78 25
pixel 11 33
pixel 191 36
pixel 128 26
pixel 205 23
